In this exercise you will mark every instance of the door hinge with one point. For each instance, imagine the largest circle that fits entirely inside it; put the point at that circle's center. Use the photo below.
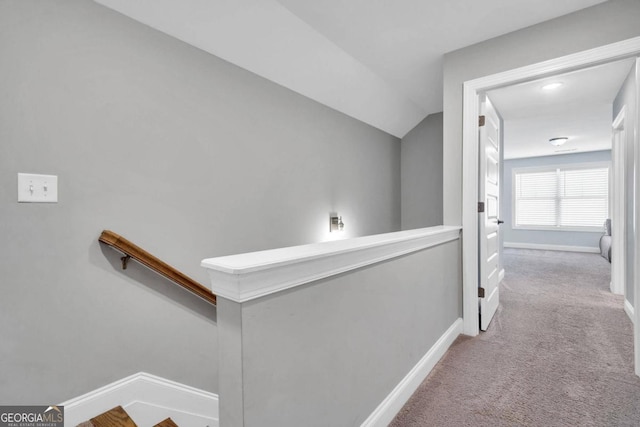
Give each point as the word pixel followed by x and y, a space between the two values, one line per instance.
pixel 481 121
pixel 480 292
pixel 480 207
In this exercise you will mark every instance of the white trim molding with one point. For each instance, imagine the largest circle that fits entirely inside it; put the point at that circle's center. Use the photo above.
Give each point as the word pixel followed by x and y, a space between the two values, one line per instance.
pixel 148 399
pixel 245 277
pixel 501 275
pixel 628 308
pixel 472 89
pixel 618 196
pixel 636 224
pixel 391 405
pixel 546 247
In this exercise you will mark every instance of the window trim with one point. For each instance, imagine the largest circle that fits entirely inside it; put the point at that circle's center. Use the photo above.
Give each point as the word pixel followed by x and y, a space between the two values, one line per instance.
pixel 548 168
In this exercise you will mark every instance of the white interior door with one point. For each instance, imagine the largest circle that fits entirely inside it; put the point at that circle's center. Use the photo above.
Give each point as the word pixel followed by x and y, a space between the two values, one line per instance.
pixel 488 227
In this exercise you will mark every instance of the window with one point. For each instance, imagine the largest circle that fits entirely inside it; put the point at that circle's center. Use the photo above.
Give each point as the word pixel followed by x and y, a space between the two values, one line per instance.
pixel 570 197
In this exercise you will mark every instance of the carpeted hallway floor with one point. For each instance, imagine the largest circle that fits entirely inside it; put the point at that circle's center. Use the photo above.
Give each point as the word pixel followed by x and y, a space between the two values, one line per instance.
pixel 559 352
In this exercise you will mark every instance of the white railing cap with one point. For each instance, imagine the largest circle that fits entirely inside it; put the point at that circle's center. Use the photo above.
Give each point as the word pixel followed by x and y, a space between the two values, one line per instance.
pixel 244 277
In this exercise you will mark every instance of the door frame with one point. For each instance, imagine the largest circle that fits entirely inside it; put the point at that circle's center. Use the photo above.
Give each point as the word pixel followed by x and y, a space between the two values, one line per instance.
pixel 636 224
pixel 472 90
pixel 618 206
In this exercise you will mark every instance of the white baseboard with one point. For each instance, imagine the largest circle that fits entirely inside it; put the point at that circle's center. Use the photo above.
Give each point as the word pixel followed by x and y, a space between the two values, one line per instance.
pixel 628 308
pixel 148 399
pixel 501 275
pixel 391 405
pixel 615 289
pixel 545 247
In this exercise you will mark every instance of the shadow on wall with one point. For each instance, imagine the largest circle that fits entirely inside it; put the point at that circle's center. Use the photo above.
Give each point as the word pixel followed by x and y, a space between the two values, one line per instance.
pixel 142 277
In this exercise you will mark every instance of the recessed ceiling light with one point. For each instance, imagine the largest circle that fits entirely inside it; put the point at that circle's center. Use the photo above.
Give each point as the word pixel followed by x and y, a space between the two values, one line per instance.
pixel 558 141
pixel 552 86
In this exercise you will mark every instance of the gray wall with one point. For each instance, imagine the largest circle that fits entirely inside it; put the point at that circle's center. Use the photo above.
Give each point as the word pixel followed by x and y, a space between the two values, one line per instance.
pixel 599 25
pixel 182 153
pixel 563 238
pixel 369 326
pixel 421 168
pixel 627 96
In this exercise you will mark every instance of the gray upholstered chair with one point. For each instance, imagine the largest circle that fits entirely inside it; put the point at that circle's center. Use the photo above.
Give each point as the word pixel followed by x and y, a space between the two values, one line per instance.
pixel 605 241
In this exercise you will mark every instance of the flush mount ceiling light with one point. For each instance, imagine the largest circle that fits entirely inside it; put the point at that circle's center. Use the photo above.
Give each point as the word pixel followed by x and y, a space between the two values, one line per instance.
pixel 558 141
pixel 552 86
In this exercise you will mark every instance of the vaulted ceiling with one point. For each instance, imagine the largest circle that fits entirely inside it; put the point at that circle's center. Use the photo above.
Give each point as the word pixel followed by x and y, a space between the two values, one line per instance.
pixel 377 61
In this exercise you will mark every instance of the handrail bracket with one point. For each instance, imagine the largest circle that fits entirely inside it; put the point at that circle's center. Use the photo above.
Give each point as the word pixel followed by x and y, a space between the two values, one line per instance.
pixel 125 260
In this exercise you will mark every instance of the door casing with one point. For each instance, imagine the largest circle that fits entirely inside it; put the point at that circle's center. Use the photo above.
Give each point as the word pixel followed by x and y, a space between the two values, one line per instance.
pixel 618 205
pixel 472 90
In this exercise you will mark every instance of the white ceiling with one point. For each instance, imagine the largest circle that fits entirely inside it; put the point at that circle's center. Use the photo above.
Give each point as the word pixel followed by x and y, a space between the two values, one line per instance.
pixel 580 109
pixel 377 61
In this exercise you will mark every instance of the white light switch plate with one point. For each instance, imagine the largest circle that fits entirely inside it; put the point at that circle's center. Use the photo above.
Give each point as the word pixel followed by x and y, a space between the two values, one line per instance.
pixel 34 188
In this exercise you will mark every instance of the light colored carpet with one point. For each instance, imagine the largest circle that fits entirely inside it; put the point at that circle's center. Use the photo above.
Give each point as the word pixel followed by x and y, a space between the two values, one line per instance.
pixel 559 352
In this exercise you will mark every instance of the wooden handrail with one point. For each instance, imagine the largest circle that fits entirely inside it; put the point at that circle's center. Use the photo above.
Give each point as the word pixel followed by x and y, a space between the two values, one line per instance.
pixel 130 250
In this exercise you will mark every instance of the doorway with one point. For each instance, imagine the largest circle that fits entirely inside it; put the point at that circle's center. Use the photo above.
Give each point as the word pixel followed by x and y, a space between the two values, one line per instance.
pixel 555 165
pixel 472 91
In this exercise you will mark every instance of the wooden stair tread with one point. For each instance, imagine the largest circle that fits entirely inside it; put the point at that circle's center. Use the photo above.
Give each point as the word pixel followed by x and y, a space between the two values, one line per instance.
pixel 166 423
pixel 116 417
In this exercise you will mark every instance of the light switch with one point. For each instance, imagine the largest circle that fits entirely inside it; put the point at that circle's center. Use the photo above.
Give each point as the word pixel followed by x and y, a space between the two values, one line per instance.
pixel 34 188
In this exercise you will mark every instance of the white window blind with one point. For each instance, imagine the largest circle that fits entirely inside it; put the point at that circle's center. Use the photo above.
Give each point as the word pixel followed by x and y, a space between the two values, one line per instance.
pixel 561 197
